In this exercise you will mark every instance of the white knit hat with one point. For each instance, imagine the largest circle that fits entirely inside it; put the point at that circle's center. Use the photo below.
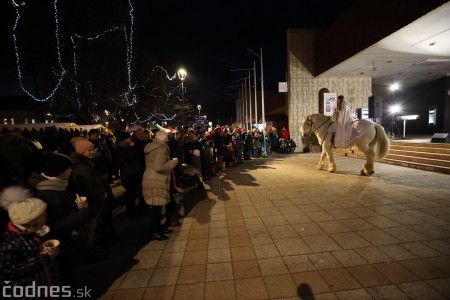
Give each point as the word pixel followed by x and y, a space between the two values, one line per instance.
pixel 25 211
pixel 21 206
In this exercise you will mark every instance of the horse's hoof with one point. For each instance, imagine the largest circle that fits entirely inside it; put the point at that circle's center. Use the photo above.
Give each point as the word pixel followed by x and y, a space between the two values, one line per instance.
pixel 362 173
pixel 370 173
pixel 331 170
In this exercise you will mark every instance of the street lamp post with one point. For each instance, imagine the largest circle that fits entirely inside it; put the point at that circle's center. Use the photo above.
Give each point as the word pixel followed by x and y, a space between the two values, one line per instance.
pixel 264 150
pixel 199 107
pixel 254 85
pixel 182 76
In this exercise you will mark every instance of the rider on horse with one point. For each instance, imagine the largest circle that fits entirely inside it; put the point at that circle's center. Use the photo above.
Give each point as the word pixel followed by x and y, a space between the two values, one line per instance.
pixel 342 126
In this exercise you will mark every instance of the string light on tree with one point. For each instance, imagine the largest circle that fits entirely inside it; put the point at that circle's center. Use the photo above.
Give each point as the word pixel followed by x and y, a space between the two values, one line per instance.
pixel 128 34
pixel 16 47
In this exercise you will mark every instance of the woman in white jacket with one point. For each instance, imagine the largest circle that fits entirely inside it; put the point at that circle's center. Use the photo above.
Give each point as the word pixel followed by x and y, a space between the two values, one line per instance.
pixel 156 181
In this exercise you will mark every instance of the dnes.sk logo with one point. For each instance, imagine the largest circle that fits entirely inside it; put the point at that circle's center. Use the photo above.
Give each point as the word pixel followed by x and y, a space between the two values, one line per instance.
pixel 41 291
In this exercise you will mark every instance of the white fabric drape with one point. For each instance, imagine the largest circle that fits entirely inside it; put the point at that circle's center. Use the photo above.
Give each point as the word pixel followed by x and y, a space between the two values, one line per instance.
pixel 343 119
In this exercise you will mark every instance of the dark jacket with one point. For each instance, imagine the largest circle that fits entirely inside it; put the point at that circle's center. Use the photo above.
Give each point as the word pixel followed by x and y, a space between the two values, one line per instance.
pixel 129 164
pixel 21 262
pixel 63 215
pixel 86 182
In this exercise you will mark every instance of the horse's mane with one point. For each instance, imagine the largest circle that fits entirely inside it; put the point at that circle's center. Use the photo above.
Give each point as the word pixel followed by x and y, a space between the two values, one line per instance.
pixel 319 116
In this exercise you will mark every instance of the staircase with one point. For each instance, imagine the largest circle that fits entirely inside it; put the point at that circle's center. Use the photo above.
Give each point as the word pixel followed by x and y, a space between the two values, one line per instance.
pixel 421 155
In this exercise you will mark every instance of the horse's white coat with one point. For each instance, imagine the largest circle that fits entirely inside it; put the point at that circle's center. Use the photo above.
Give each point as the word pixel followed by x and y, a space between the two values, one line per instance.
pixel 373 143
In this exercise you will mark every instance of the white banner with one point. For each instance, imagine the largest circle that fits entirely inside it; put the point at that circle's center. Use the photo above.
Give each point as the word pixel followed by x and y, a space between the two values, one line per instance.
pixel 329 103
pixel 282 87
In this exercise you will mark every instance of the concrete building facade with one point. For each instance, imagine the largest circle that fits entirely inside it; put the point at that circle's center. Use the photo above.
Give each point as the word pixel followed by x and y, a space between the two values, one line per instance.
pixel 305 89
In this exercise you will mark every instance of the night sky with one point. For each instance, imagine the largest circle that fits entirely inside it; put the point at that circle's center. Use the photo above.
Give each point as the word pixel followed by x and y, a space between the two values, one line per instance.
pixel 207 38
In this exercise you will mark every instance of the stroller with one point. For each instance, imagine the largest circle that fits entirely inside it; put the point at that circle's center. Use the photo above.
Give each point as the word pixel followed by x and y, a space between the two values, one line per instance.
pixel 190 178
pixel 282 146
pixel 286 146
pixel 291 146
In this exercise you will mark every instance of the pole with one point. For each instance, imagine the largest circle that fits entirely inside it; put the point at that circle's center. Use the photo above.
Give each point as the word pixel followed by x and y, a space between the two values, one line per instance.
pixel 254 83
pixel 182 90
pixel 244 93
pixel 242 108
pixel 250 98
pixel 264 150
pixel 404 128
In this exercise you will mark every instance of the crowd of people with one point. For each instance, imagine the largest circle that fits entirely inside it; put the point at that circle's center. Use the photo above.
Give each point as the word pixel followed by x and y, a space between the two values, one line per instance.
pixel 57 185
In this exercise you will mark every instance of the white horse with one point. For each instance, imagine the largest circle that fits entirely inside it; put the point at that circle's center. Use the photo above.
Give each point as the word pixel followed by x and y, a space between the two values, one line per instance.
pixel 373 142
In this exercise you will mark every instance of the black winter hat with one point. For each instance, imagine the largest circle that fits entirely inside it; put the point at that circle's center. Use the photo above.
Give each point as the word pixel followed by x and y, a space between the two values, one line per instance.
pixel 55 163
pixel 93 130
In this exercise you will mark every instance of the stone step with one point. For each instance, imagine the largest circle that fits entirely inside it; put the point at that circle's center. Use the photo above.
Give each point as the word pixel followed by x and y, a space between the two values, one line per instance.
pixel 420 148
pixel 421 166
pixel 420 160
pixel 424 156
pixel 421 144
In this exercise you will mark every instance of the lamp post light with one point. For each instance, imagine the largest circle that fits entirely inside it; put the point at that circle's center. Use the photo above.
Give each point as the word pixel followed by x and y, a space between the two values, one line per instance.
pixel 182 76
pixel 199 107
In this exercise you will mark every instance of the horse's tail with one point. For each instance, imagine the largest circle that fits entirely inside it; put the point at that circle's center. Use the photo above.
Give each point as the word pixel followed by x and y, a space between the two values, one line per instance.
pixel 381 142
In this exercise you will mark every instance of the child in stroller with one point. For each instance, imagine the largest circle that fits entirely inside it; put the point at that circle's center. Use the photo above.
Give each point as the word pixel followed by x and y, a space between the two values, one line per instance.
pixel 191 177
pixel 286 146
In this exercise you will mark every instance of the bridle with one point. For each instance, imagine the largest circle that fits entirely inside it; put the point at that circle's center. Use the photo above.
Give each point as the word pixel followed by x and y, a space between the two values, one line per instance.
pixel 312 125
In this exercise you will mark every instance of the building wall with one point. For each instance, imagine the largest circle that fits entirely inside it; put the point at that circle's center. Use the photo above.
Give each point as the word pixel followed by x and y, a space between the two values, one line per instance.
pixel 303 96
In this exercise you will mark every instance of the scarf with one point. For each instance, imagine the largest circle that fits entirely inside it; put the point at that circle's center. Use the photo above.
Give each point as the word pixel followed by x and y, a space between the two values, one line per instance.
pixel 52 183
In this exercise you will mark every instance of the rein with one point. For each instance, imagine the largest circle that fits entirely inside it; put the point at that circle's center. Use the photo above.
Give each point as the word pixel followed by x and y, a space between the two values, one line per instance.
pixel 312 123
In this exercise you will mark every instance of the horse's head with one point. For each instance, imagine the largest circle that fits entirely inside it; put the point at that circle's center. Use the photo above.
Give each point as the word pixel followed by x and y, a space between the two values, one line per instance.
pixel 307 126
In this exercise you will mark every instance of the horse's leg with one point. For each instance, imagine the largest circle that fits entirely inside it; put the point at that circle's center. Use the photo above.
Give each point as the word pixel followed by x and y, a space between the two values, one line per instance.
pixel 326 147
pixel 322 157
pixel 370 155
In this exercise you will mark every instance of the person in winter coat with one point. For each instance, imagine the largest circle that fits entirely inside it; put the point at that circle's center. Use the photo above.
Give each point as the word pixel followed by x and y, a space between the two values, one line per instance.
pixel 156 181
pixel 248 145
pixel 273 141
pixel 284 133
pixel 207 158
pixel 191 145
pixel 23 259
pixel 86 182
pixel 140 140
pixel 131 171
pixel 65 216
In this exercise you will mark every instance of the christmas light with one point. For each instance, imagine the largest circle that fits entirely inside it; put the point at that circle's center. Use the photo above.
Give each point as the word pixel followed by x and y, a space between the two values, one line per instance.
pixel 16 47
pixel 168 105
pixel 128 35
pixel 129 53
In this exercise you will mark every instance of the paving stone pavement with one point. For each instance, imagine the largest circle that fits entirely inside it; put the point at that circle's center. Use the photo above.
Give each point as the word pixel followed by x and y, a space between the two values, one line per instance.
pixel 277 228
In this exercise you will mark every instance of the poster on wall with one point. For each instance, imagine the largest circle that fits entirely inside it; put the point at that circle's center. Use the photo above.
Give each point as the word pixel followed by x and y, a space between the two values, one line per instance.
pixel 329 103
